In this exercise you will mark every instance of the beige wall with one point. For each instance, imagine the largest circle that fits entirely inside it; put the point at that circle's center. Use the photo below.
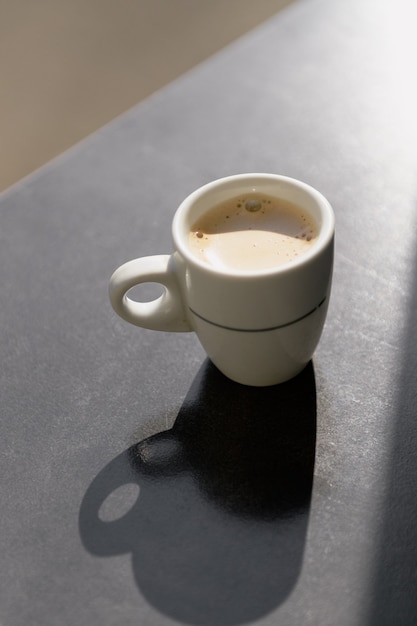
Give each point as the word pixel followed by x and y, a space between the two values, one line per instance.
pixel 69 66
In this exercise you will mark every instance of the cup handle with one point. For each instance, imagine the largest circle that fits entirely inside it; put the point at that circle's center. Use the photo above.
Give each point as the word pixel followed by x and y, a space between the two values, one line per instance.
pixel 167 312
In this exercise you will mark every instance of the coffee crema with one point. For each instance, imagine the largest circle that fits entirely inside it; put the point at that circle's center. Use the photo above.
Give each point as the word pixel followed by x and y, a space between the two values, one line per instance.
pixel 252 232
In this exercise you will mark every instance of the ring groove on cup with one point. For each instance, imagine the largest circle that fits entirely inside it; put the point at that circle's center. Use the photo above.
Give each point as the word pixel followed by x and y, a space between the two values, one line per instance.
pixel 259 330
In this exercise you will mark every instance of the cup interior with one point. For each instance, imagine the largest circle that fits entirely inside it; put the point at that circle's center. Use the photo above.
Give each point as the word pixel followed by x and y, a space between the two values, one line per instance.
pixel 218 191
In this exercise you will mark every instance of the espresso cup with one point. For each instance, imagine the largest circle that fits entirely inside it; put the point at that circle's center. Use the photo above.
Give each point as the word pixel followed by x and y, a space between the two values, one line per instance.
pixel 259 326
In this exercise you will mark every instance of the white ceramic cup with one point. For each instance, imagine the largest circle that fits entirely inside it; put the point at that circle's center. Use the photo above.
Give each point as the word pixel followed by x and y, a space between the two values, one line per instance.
pixel 259 327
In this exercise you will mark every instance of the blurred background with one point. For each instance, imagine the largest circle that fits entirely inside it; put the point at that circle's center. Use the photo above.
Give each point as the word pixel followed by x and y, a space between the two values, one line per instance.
pixel 69 66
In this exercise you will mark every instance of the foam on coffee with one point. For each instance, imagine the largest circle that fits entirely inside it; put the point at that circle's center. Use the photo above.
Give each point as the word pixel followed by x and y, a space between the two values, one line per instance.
pixel 252 232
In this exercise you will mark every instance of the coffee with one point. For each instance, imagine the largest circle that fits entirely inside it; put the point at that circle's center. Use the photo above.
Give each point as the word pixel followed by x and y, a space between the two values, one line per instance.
pixel 252 232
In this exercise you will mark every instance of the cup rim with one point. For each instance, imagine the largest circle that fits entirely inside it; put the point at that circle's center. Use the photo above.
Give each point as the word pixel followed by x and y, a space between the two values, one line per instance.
pixel 251 181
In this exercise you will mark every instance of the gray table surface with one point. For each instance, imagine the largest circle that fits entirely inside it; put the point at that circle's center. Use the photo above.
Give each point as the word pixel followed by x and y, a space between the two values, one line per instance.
pixel 290 505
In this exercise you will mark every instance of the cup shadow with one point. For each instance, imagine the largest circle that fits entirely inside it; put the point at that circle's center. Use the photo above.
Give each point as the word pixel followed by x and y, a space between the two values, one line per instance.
pixel 218 531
